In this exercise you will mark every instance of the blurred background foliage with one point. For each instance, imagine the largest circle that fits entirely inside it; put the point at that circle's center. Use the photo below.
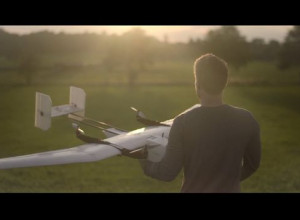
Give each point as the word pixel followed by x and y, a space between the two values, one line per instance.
pixel 135 57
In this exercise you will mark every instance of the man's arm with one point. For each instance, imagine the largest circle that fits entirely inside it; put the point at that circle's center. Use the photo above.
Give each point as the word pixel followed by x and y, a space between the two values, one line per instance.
pixel 251 160
pixel 169 167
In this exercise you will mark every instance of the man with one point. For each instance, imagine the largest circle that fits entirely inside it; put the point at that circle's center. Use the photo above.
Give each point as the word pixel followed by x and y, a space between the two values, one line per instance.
pixel 216 144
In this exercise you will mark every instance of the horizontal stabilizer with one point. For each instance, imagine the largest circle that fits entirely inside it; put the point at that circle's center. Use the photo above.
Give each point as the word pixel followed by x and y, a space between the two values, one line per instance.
pixel 64 110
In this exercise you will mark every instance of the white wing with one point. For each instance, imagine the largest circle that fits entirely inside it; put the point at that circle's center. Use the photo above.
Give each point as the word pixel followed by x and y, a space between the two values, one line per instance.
pixel 80 154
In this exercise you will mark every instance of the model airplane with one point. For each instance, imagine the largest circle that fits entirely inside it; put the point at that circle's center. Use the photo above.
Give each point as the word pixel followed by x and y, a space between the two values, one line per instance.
pixel 118 142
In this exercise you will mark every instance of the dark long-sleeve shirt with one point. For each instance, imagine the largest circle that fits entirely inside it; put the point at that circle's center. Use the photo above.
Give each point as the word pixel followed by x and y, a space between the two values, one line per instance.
pixel 216 146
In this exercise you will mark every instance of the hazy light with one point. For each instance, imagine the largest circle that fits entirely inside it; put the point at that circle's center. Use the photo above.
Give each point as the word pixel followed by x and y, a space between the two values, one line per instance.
pixel 173 33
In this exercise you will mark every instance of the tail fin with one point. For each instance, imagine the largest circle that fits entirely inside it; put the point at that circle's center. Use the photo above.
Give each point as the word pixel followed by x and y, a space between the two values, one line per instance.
pixel 43 105
pixel 44 110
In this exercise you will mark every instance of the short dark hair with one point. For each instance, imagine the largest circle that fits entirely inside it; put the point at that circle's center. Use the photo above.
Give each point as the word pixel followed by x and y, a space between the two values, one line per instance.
pixel 211 73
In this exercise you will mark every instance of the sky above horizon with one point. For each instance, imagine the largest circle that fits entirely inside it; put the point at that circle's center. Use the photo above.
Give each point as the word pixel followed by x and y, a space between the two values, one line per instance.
pixel 173 33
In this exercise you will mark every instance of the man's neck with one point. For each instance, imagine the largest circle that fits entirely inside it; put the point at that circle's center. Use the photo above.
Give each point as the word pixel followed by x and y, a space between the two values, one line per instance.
pixel 211 100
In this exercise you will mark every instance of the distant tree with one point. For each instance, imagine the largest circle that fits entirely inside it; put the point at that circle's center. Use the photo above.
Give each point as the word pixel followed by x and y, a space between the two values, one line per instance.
pixel 137 53
pixel 257 47
pixel 9 44
pixel 262 51
pixel 195 47
pixel 112 55
pixel 290 51
pixel 227 43
pixel 28 68
pixel 272 50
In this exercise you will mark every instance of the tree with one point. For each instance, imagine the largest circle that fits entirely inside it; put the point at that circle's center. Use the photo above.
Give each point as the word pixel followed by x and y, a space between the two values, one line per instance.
pixel 112 55
pixel 137 53
pixel 290 51
pixel 227 43
pixel 195 47
pixel 28 68
pixel 257 47
pixel 272 50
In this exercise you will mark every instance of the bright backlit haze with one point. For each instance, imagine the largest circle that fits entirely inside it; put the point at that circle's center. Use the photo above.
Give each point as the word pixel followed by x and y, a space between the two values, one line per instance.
pixel 173 33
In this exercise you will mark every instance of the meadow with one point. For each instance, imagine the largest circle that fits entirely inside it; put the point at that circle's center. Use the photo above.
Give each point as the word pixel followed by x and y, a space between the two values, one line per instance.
pixel 276 107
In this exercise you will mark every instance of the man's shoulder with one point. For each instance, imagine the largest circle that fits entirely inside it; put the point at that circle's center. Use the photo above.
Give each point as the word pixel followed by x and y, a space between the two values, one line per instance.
pixel 244 114
pixel 195 110
pixel 188 111
pixel 241 111
pixel 179 119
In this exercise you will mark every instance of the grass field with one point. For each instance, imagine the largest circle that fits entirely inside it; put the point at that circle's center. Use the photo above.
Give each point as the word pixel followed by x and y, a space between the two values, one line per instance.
pixel 277 108
pixel 160 73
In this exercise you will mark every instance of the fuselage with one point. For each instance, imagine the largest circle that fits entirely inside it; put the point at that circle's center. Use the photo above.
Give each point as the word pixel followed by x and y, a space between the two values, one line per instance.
pixel 138 138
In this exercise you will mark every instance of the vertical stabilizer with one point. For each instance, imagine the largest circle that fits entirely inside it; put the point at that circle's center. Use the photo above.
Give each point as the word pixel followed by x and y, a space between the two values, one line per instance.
pixel 43 104
pixel 77 100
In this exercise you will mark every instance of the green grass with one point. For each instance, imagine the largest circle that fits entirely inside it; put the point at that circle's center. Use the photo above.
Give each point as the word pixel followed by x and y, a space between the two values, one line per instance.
pixel 167 73
pixel 278 111
pixel 275 107
pixel 259 72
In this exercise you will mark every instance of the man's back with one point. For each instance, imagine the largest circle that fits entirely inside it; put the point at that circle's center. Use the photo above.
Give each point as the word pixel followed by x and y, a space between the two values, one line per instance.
pixel 217 145
pixel 214 141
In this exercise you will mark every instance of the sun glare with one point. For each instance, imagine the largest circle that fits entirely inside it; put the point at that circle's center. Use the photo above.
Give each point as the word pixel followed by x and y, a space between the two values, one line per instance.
pixel 173 33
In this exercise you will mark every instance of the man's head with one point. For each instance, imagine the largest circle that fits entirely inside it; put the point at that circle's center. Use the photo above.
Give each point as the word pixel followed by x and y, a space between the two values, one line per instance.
pixel 211 74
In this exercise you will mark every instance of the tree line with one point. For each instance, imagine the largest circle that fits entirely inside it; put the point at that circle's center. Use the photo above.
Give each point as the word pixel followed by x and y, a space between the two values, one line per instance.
pixel 135 51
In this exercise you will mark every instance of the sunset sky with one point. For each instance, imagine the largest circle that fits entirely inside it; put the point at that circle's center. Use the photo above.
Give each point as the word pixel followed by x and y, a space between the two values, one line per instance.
pixel 174 33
